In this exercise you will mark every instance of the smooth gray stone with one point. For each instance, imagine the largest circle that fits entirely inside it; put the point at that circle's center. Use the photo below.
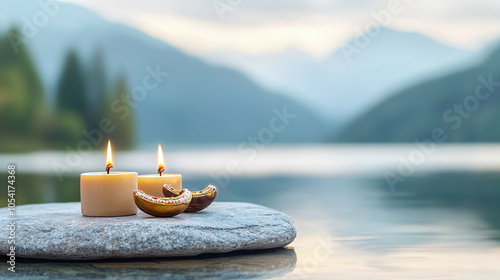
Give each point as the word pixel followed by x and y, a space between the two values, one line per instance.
pixel 58 231
pixel 236 265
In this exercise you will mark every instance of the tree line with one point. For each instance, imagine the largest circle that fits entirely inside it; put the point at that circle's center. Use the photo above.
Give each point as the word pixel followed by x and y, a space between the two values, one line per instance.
pixel 83 98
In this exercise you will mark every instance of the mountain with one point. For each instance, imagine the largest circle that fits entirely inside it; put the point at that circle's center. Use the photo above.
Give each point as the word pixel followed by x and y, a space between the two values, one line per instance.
pixel 285 71
pixel 196 103
pixel 463 107
pixel 340 87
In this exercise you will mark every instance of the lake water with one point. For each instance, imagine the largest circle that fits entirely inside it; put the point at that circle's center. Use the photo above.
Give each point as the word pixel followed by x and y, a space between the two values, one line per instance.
pixel 441 222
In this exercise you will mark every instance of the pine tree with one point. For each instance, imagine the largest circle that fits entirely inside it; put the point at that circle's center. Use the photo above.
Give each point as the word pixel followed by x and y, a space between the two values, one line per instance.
pixel 97 88
pixel 121 115
pixel 21 91
pixel 71 90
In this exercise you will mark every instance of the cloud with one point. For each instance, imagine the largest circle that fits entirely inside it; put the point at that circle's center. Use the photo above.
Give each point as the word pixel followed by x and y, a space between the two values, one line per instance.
pixel 315 26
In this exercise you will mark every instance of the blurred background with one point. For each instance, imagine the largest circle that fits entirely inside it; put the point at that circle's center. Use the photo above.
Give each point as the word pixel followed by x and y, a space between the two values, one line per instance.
pixel 389 108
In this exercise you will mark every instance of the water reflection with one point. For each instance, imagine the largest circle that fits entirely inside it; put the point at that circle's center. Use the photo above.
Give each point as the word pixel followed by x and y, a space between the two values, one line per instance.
pixel 441 226
pixel 437 226
pixel 236 265
pixel 475 194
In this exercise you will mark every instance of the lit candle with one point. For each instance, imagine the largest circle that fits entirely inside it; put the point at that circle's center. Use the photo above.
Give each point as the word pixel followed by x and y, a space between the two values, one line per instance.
pixel 152 184
pixel 108 194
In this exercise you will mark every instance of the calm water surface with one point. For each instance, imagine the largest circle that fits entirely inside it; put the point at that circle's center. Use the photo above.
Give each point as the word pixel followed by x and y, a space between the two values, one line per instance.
pixel 439 226
pixel 443 225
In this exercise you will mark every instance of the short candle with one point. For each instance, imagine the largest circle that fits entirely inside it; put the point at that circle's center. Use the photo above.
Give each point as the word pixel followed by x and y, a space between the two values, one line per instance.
pixel 152 183
pixel 108 194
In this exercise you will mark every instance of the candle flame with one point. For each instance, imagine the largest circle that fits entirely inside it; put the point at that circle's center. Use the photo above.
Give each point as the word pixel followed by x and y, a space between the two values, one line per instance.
pixel 161 162
pixel 109 157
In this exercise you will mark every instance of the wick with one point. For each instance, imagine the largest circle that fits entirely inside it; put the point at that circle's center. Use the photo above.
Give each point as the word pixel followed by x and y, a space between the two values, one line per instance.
pixel 160 173
pixel 108 167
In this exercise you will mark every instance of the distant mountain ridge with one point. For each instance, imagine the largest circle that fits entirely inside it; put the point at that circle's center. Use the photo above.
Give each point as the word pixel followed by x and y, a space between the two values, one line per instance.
pixel 465 105
pixel 196 103
pixel 341 88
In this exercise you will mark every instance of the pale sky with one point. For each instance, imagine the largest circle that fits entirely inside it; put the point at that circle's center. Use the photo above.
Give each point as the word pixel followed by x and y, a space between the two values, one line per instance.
pixel 317 27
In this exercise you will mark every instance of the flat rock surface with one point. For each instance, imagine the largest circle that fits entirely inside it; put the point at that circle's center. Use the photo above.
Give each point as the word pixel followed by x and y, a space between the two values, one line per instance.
pixel 259 264
pixel 58 231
